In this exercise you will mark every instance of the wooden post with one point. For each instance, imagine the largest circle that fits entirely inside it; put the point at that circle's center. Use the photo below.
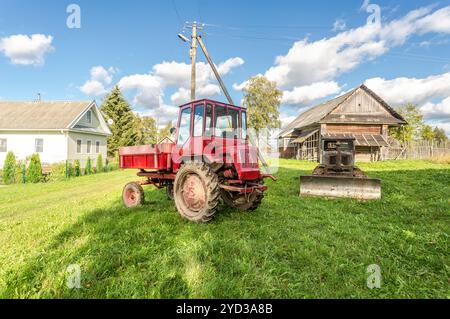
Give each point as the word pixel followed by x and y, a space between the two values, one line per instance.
pixel 193 59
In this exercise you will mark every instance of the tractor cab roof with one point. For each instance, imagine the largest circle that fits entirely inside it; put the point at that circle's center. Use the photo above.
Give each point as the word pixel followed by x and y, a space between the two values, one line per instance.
pixel 211 102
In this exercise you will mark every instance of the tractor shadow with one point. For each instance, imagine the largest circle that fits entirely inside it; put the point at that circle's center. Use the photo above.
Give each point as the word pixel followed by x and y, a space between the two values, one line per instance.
pixel 150 252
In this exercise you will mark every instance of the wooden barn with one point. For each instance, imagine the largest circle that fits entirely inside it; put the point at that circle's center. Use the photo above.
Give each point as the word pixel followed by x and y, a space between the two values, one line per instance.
pixel 360 113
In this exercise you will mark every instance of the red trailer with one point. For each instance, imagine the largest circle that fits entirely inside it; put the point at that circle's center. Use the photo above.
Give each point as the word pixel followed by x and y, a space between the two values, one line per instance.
pixel 210 159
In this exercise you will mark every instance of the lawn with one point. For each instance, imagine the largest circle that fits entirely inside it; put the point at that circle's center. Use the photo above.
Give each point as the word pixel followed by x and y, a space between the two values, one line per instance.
pixel 289 248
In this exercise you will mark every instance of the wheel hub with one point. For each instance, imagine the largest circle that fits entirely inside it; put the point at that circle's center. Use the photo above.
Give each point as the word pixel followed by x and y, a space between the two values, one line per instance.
pixel 130 197
pixel 194 194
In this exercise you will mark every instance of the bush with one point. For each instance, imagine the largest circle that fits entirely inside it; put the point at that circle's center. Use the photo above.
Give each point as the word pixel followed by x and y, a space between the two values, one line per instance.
pixel 88 168
pixel 70 170
pixel 9 169
pixel 20 172
pixel 99 166
pixel 34 171
pixel 77 168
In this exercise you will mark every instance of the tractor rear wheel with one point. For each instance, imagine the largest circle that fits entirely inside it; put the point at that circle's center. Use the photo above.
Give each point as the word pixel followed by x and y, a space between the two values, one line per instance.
pixel 243 202
pixel 133 195
pixel 196 192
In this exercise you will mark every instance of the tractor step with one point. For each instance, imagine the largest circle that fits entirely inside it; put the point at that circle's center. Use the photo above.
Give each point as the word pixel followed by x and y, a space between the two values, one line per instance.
pixel 340 186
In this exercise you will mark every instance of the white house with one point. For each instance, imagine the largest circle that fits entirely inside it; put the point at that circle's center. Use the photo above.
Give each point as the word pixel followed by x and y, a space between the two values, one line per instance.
pixel 57 131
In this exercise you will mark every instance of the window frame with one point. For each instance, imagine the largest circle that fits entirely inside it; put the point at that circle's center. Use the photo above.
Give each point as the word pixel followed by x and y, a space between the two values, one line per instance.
pixel 36 150
pixel 200 105
pixel 97 146
pixel 88 146
pixel 81 146
pixel 89 118
pixel 6 145
pixel 179 125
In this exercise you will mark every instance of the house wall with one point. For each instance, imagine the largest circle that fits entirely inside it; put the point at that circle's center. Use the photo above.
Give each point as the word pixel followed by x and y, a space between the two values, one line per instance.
pixel 22 144
pixel 353 129
pixel 83 156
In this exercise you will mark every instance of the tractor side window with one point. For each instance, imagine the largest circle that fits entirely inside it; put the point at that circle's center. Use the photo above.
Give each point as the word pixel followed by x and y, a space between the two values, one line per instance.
pixel 208 120
pixel 244 125
pixel 198 120
pixel 226 122
pixel 185 127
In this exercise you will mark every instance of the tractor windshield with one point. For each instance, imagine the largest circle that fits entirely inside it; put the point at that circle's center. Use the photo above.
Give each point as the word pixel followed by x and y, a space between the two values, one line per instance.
pixel 226 122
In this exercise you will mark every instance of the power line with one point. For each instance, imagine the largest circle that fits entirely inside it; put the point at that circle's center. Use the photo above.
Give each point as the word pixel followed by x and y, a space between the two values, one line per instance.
pixel 177 13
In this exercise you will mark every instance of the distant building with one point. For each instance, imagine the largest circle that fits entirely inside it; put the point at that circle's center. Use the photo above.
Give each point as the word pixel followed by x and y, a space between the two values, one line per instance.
pixel 57 131
pixel 359 113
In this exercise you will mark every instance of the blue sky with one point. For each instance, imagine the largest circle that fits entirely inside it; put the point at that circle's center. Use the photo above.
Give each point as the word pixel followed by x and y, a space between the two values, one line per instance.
pixel 324 48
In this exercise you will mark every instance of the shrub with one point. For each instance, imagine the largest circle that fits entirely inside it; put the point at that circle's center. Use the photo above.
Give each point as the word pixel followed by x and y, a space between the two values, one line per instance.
pixel 34 171
pixel 20 172
pixel 70 170
pixel 9 168
pixel 88 168
pixel 99 166
pixel 77 168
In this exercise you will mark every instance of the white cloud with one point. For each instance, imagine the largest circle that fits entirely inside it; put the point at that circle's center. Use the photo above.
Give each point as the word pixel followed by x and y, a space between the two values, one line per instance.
pixel 27 50
pixel 308 62
pixel 150 87
pixel 93 88
pixel 302 95
pixel 437 111
pixel 96 86
pixel 339 25
pixel 411 90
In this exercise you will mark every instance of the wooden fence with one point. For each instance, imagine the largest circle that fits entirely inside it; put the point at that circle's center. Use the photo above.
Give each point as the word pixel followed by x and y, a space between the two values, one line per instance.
pixel 418 150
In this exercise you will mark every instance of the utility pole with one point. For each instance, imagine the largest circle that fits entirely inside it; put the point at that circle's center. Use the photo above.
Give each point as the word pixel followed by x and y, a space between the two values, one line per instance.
pixel 193 59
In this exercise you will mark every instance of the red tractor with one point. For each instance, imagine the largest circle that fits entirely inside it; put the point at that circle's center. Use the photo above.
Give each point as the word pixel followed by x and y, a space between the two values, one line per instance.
pixel 211 159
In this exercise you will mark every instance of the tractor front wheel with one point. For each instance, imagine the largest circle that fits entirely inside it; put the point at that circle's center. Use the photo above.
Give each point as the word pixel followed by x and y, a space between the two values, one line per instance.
pixel 133 195
pixel 196 192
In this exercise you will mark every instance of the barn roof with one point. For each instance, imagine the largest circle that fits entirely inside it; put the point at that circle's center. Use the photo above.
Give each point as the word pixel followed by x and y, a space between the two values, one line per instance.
pixel 41 115
pixel 317 113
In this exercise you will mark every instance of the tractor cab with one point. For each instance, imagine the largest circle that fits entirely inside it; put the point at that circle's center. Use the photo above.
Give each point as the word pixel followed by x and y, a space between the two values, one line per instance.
pixel 210 120
pixel 216 133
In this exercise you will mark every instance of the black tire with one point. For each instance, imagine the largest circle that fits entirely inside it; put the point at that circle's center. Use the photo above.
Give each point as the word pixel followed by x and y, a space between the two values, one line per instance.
pixel 196 192
pixel 242 202
pixel 169 191
pixel 133 195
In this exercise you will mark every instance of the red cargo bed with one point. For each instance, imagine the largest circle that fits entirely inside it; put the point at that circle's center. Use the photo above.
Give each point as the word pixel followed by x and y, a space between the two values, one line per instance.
pixel 149 157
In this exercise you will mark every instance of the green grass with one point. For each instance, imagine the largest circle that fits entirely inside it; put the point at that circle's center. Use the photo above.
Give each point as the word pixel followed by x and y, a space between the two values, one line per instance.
pixel 289 248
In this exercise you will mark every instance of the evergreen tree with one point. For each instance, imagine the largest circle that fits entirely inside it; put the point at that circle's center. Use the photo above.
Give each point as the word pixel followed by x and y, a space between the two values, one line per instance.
pixel 77 168
pixel 34 171
pixel 9 169
pixel 123 129
pixel 99 166
pixel 88 168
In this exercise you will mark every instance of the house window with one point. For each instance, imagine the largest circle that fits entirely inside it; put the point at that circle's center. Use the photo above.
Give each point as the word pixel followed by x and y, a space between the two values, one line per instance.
pixel 79 146
pixel 89 116
pixel 39 145
pixel 97 147
pixel 3 146
pixel 88 147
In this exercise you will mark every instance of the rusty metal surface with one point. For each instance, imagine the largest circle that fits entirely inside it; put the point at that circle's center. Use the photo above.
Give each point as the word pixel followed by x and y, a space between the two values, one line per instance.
pixel 340 186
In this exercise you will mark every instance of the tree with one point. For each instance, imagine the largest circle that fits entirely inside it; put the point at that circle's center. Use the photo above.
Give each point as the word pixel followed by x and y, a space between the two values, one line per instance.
pixel 411 131
pixel 262 99
pixel 88 168
pixel 123 130
pixel 77 167
pixel 99 166
pixel 439 135
pixel 165 131
pixel 146 130
pixel 427 133
pixel 9 169
pixel 34 171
